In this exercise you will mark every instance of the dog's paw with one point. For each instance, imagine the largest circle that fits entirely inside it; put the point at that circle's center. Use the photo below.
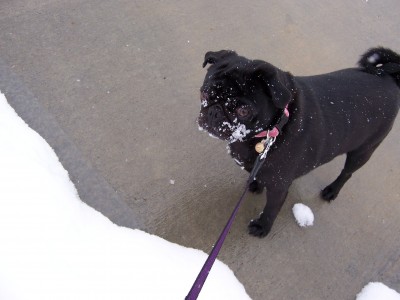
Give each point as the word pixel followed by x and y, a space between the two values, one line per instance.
pixel 329 194
pixel 255 187
pixel 256 228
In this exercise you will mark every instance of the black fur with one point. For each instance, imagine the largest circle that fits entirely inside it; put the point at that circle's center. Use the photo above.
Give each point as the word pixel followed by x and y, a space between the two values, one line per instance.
pixel 381 61
pixel 344 112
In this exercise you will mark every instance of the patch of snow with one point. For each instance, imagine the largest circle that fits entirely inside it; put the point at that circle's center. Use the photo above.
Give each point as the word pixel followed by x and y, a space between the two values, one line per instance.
pixel 373 58
pixel 377 291
pixel 240 163
pixel 239 131
pixel 54 246
pixel 303 214
pixel 213 136
pixel 228 149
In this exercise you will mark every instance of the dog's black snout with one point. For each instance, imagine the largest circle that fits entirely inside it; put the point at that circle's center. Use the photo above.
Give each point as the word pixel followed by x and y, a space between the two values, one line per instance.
pixel 215 114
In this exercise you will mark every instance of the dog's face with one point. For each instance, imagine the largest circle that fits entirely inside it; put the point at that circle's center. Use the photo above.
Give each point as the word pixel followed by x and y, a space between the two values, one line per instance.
pixel 240 97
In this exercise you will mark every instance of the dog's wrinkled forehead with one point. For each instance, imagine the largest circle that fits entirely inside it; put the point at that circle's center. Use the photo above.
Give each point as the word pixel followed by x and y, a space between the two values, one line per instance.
pixel 218 92
pixel 225 80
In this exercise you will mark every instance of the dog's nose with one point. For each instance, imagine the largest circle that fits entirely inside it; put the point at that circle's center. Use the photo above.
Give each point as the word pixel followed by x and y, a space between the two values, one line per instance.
pixel 215 114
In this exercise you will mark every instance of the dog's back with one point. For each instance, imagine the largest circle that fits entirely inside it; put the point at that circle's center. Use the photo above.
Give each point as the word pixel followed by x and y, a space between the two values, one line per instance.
pixel 345 110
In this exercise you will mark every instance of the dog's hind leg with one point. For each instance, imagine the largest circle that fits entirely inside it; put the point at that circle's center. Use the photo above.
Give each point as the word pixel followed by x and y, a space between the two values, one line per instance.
pixel 354 160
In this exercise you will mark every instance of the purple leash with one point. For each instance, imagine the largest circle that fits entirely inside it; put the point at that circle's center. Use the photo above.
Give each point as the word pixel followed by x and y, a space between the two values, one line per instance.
pixel 205 270
pixel 201 278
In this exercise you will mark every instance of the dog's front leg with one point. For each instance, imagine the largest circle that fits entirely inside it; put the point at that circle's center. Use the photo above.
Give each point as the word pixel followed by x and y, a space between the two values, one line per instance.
pixel 275 198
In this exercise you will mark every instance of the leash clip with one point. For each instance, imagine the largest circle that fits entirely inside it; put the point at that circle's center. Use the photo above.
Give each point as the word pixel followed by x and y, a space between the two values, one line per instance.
pixel 268 143
pixel 263 147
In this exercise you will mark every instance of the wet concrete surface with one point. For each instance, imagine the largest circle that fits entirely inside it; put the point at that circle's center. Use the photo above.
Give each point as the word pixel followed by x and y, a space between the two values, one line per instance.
pixel 114 87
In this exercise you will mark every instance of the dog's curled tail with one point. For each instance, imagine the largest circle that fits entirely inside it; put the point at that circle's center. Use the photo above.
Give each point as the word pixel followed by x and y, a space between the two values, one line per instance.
pixel 381 61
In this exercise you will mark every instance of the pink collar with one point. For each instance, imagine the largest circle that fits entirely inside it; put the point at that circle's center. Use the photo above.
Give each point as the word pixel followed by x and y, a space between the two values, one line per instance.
pixel 275 131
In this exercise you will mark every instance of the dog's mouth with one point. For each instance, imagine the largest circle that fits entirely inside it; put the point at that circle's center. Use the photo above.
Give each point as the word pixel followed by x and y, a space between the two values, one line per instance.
pixel 228 131
pixel 239 132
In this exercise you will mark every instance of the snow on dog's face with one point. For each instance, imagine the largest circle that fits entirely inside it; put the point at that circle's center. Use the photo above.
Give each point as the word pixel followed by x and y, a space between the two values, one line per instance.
pixel 240 97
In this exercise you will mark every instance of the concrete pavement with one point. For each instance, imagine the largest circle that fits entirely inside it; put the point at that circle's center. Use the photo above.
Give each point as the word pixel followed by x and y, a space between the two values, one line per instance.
pixel 113 86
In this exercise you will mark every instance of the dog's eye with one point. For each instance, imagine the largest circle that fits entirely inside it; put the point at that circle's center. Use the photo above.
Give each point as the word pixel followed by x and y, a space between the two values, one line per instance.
pixel 243 111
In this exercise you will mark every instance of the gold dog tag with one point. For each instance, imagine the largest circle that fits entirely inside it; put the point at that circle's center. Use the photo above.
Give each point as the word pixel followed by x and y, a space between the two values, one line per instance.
pixel 260 146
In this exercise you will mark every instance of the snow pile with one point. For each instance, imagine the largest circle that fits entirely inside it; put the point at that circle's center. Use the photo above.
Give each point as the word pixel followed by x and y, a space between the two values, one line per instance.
pixel 377 291
pixel 303 214
pixel 54 246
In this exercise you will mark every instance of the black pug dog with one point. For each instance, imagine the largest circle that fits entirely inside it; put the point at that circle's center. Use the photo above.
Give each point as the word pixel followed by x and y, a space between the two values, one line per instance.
pixel 348 111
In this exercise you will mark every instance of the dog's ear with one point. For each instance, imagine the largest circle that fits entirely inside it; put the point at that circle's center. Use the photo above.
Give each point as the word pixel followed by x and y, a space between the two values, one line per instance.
pixel 277 82
pixel 213 57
